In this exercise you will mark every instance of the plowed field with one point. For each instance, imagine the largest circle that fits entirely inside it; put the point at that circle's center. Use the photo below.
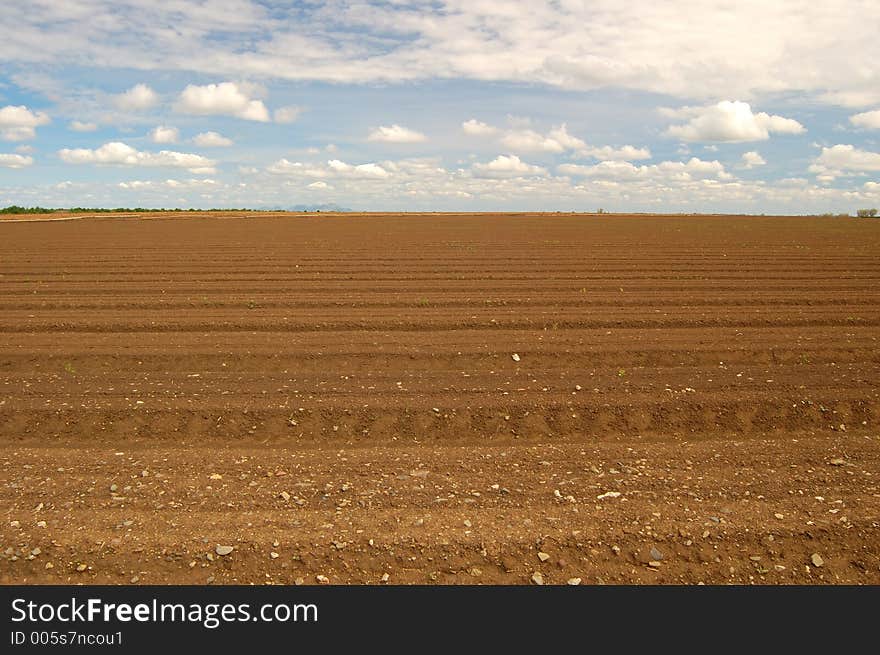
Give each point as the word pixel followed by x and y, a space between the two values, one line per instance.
pixel 440 399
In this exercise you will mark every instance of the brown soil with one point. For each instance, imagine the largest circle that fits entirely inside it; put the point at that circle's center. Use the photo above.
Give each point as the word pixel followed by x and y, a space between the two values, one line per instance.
pixel 341 391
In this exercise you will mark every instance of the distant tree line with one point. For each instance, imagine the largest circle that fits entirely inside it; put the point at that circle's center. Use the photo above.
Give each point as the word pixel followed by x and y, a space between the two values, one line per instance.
pixel 861 213
pixel 15 209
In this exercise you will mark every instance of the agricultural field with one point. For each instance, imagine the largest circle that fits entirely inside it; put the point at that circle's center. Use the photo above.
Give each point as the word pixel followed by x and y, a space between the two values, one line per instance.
pixel 439 399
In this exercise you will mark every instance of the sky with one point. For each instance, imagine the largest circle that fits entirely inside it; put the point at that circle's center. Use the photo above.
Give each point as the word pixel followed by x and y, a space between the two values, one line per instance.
pixel 458 105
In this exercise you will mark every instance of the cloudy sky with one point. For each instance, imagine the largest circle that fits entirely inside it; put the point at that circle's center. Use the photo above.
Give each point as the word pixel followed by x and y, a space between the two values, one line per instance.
pixel 695 105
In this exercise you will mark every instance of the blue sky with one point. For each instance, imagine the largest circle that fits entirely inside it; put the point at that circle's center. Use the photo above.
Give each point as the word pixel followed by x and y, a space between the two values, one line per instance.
pixel 472 105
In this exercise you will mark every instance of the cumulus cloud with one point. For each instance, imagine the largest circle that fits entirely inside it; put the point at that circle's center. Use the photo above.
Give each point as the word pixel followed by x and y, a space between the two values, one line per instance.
pixel 607 169
pixel 360 170
pixel 837 160
pixel 332 168
pixel 694 166
pixel 868 119
pixel 624 170
pixel 473 127
pixel 162 134
pixel 137 98
pixel 287 114
pixel 168 184
pixel 211 140
pixel 17 133
pixel 507 166
pixel 729 122
pixel 794 46
pixel 558 140
pixel 121 154
pixel 18 123
pixel 296 169
pixel 608 153
pixel 225 99
pixel 82 126
pixel 751 159
pixel 562 137
pixel 530 141
pixel 15 161
pixel 509 182
pixel 523 139
pixel 420 167
pixel 396 134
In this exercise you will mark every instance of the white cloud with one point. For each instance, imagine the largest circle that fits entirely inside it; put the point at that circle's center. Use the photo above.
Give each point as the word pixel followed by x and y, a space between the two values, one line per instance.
pixel 608 153
pixel 319 185
pixel 667 170
pixel 694 166
pixel 556 141
pixel 15 161
pixel 17 133
pixel 779 124
pixel 332 168
pixel 396 134
pixel 18 123
pixel 752 159
pixel 530 141
pixel 422 168
pixel 868 119
pixel 474 127
pixel 852 98
pixel 510 183
pixel 295 169
pixel 168 184
pixel 121 154
pixel 211 140
pixel 226 99
pixel 360 170
pixel 423 185
pixel 794 46
pixel 605 169
pixel 507 166
pixel 562 137
pixel 137 98
pixel 162 134
pixel 287 114
pixel 730 122
pixel 833 161
pixel 24 149
pixel 82 126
